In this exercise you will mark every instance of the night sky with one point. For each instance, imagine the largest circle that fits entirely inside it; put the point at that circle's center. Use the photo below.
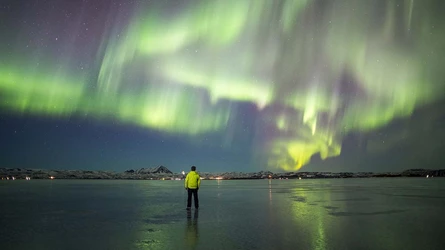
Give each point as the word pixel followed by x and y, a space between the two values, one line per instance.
pixel 226 85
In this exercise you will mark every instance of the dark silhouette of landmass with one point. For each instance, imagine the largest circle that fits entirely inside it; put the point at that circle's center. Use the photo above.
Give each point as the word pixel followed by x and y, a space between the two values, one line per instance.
pixel 163 173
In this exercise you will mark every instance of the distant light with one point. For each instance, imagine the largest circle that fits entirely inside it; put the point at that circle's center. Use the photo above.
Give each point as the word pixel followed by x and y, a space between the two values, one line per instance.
pixel 13 178
pixel 52 177
pixel 219 178
pixel 183 172
pixel 427 176
pixel 299 178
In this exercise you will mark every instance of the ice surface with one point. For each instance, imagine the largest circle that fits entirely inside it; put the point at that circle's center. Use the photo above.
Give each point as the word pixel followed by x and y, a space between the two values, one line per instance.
pixel 393 213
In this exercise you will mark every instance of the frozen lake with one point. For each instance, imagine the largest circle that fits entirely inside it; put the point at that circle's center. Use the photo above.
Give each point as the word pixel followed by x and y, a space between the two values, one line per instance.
pixel 393 213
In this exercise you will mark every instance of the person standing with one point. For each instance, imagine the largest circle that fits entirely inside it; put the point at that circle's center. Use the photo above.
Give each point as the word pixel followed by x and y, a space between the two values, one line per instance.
pixel 192 183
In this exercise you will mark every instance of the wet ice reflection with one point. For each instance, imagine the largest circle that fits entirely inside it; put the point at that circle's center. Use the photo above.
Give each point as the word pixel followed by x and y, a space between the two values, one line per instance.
pixel 191 232
pixel 253 214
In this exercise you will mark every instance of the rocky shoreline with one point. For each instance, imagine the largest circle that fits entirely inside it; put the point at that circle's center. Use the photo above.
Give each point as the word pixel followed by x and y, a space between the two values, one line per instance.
pixel 162 173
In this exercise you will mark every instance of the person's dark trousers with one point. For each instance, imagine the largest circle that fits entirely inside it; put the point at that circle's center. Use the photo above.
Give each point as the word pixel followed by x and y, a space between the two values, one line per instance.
pixel 195 196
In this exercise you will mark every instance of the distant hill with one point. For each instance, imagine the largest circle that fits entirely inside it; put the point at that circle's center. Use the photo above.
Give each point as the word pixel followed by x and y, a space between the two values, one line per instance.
pixel 154 170
pixel 163 173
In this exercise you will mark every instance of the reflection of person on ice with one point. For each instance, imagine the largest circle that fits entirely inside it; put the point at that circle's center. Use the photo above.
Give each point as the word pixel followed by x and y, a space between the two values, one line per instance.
pixel 191 233
pixel 192 182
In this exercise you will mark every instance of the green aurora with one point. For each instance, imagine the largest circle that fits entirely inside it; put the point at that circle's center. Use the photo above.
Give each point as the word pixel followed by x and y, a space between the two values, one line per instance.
pixel 325 68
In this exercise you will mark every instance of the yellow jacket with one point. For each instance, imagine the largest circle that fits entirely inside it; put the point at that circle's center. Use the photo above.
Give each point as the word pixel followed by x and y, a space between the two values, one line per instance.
pixel 192 180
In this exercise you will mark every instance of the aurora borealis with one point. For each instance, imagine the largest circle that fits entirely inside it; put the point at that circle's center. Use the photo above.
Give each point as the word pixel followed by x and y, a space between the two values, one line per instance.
pixel 286 79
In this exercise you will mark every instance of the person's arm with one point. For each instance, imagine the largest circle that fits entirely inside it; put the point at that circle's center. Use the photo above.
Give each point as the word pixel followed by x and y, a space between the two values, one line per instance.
pixel 186 180
pixel 199 181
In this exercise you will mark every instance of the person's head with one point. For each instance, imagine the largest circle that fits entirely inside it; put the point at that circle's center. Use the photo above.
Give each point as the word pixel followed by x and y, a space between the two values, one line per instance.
pixel 193 168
